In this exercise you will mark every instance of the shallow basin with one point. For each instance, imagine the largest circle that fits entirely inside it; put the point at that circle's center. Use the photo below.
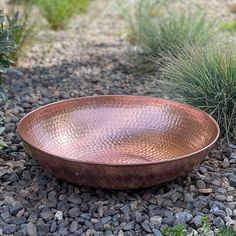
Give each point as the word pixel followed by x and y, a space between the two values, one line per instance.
pixel 118 142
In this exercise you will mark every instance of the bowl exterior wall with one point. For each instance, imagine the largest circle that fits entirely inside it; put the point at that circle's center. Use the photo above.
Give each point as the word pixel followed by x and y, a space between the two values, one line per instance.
pixel 116 176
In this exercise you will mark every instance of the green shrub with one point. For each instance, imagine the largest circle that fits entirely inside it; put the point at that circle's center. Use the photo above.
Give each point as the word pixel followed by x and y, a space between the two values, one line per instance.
pixel 157 33
pixel 7 46
pixel 59 12
pixel 205 77
pixel 24 35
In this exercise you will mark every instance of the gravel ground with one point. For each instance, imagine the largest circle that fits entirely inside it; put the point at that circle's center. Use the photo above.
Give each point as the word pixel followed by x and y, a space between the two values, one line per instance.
pixel 87 60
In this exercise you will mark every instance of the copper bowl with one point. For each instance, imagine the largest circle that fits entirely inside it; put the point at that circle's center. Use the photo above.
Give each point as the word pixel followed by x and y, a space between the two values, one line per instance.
pixel 118 142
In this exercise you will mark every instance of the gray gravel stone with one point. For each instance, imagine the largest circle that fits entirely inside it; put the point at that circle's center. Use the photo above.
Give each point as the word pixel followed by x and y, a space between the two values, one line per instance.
pixel 200 184
pixel 63 231
pixel 203 169
pixel 33 217
pixel 226 163
pixel 197 220
pixel 46 215
pixel 106 219
pixel 129 226
pixel 53 227
pixel 157 232
pixel 9 229
pixel 169 220
pixel 16 207
pixel 58 215
pixel 42 228
pixel 73 226
pixel 74 198
pixel 146 227
pixel 232 180
pixel 98 226
pixel 125 209
pixel 183 217
pixel 217 212
pixel 218 222
pixel 220 197
pixel 5 215
pixel 31 229
pixel 86 216
pixel 156 220
pixel 188 197
pixel 74 212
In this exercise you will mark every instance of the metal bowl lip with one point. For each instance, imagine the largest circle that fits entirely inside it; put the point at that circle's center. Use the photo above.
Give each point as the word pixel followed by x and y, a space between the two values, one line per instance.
pixel 63 158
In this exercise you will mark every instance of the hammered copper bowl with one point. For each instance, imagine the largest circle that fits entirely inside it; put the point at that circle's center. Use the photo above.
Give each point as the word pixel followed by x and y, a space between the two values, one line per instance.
pixel 118 142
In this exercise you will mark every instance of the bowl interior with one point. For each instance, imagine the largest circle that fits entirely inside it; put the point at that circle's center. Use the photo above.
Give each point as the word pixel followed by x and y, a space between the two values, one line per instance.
pixel 118 129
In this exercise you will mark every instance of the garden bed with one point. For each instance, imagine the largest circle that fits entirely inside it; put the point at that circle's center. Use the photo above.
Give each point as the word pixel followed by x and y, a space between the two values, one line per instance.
pixel 88 59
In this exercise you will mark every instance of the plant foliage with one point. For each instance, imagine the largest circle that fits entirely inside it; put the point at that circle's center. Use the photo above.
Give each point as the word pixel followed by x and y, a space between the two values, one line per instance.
pixel 7 45
pixel 59 12
pixel 206 78
pixel 158 32
pixel 180 230
pixel 229 26
pixel 24 35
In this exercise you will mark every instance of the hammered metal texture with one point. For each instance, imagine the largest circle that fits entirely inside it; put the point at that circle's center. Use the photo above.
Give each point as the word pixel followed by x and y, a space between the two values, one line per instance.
pixel 105 141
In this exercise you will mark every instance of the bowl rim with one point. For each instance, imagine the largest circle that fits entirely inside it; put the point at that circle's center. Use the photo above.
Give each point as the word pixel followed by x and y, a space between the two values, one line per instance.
pixel 63 158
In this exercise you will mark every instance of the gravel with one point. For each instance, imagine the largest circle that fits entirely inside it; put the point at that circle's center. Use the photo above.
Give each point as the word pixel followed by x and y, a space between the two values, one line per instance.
pixel 89 60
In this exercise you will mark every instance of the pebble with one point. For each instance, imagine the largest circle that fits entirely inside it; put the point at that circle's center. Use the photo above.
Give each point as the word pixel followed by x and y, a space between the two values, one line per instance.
pixel 98 226
pixel 106 219
pixel 74 198
pixel 197 220
pixel 46 215
pixel 5 215
pixel 200 184
pixel 218 222
pixel 58 215
pixel 31 229
pixel 43 228
pixel 129 226
pixel 146 226
pixel 9 229
pixel 226 163
pixel 220 198
pixel 205 191
pixel 156 220
pixel 53 227
pixel 16 207
pixel 125 209
pixel 74 212
pixel 232 180
pixel 217 212
pixel 73 226
pixel 157 232
pixel 183 217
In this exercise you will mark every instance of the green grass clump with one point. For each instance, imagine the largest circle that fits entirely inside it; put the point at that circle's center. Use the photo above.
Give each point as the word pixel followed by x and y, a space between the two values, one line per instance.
pixel 180 230
pixel 229 26
pixel 24 35
pixel 157 32
pixel 205 77
pixel 59 12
